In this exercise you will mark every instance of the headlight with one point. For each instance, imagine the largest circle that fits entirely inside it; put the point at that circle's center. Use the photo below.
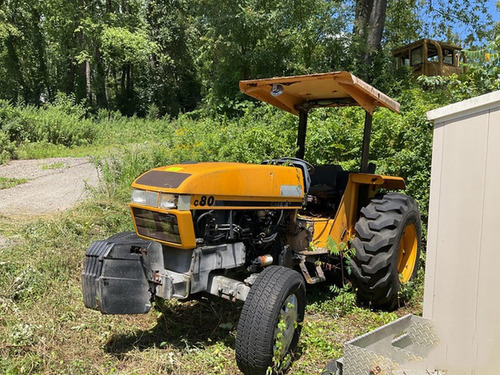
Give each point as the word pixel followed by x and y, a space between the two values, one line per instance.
pixel 153 199
pixel 146 198
pixel 138 196
pixel 168 201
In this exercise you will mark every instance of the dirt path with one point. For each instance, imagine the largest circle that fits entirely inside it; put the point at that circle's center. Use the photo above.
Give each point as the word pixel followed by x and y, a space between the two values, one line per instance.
pixel 53 185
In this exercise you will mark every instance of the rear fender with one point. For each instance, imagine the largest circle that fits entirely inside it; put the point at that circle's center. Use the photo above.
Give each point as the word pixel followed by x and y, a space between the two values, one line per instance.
pixel 341 228
pixel 378 181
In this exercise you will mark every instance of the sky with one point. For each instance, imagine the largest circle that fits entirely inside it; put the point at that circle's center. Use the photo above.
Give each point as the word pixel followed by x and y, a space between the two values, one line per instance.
pixel 463 30
pixel 495 15
pixel 494 11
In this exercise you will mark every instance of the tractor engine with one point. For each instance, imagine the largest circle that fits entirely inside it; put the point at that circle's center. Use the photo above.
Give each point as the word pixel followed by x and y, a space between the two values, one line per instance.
pixel 257 229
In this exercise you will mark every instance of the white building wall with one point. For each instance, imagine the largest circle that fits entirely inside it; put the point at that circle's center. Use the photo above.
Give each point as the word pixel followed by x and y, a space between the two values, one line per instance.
pixel 462 285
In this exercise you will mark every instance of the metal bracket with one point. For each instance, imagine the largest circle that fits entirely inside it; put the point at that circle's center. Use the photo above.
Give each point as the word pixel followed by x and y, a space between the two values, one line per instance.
pixel 286 257
pixel 227 288
pixel 319 277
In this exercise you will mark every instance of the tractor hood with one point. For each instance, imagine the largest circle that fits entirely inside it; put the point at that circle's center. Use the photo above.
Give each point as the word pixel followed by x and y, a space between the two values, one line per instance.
pixel 251 181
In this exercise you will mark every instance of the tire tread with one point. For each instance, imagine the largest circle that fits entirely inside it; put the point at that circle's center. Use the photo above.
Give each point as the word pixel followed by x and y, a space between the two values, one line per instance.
pixel 379 229
pixel 257 322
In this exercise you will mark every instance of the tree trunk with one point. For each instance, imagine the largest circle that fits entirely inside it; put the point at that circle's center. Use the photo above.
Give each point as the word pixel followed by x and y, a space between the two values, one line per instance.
pixel 81 89
pixel 129 82
pixel 123 98
pixel 42 78
pixel 368 29
pixel 100 81
pixel 122 82
pixel 14 70
pixel 69 84
pixel 129 91
pixel 88 81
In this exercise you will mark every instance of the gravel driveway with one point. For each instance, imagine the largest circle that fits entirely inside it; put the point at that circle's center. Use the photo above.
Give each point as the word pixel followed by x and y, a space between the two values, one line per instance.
pixel 53 185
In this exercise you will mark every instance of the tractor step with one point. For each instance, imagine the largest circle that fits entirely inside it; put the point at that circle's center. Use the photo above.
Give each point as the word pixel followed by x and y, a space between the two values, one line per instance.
pixel 316 251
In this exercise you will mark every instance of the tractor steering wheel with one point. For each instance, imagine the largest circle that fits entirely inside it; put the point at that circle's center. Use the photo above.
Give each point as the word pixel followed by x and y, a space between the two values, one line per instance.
pixel 309 166
pixel 306 167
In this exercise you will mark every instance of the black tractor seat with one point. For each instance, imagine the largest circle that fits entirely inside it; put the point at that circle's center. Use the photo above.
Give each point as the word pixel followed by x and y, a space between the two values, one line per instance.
pixel 327 188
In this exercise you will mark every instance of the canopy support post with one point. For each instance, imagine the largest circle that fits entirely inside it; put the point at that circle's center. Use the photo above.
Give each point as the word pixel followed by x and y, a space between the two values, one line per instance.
pixel 366 143
pixel 301 136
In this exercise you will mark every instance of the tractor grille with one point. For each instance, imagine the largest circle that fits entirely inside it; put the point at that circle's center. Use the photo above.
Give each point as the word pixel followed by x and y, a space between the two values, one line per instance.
pixel 156 225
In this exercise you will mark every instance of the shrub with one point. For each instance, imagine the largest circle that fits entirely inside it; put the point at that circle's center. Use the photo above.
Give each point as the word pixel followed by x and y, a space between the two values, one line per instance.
pixel 60 123
pixel 7 148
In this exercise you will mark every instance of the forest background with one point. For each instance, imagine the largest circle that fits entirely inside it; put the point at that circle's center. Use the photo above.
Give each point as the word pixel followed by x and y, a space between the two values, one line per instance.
pixel 175 56
pixel 141 83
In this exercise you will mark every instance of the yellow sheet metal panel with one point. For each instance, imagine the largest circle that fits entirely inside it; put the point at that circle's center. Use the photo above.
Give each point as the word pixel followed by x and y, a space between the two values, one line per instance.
pixel 318 90
pixel 226 181
pixel 386 182
pixel 341 228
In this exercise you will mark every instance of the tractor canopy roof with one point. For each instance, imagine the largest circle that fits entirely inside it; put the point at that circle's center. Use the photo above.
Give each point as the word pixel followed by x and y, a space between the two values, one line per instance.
pixel 301 93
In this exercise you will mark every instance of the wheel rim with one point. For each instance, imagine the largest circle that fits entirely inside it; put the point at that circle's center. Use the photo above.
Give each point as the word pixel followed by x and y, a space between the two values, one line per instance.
pixel 408 248
pixel 287 323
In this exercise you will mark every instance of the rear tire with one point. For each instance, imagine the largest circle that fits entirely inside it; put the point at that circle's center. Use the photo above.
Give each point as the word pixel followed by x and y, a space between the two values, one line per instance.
pixel 270 322
pixel 387 249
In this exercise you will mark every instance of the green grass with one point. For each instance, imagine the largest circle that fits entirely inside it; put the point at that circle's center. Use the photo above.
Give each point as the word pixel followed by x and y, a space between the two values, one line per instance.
pixel 7 183
pixel 57 165
pixel 45 329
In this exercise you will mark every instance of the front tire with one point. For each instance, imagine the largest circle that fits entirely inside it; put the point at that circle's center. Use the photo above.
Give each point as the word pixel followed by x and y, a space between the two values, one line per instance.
pixel 270 322
pixel 387 249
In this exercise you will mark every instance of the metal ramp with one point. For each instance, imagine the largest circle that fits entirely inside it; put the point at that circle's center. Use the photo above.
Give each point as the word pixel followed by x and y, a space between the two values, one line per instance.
pixel 392 349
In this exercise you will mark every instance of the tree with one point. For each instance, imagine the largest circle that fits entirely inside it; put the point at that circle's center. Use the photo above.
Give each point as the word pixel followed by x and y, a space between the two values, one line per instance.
pixel 446 17
pixel 23 52
pixel 129 52
pixel 173 85
pixel 381 25
pixel 250 38
pixel 368 29
pixel 175 54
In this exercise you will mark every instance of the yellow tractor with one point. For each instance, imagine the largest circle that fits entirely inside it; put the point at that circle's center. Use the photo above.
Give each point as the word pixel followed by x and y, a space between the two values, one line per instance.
pixel 260 233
